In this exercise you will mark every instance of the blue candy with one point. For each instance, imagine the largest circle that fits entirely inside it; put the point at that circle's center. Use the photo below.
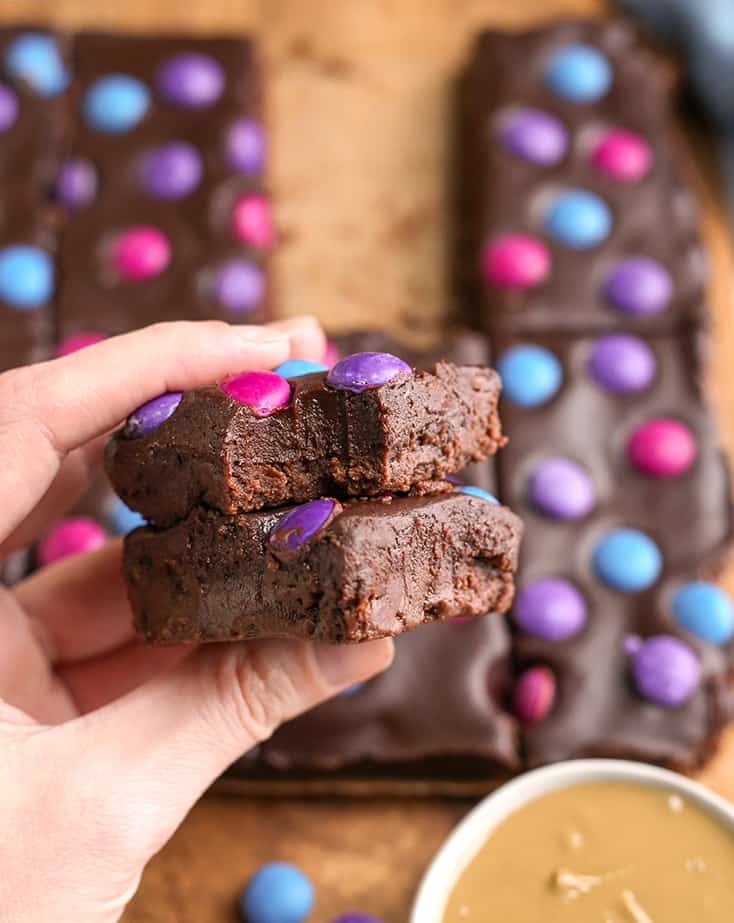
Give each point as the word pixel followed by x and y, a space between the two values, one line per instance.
pixel 351 690
pixel 292 368
pixel 115 103
pixel 277 893
pixel 123 519
pixel 627 560
pixel 705 610
pixel 580 73
pixel 530 375
pixel 578 219
pixel 26 276
pixel 478 492
pixel 35 57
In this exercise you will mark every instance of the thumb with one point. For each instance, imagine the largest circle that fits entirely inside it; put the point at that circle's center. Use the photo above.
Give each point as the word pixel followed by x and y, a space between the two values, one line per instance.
pixel 165 743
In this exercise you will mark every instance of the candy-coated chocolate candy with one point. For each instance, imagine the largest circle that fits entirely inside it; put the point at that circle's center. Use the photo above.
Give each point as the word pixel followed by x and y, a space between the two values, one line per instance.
pixel 123 519
pixel 561 489
pixel 239 285
pixel 534 135
pixel 530 375
pixel 171 171
pixel 352 690
pixel 8 107
pixel 367 370
pixel 550 608
pixel 115 103
pixel 149 416
pixel 477 492
pixel 76 183
pixel 627 560
pixel 515 261
pixel 662 448
pixel 578 218
pixel 292 368
pixel 298 525
pixel 331 354
pixel 705 610
pixel 26 276
pixel 68 537
pixel 622 364
pixel 251 221
pixel 356 918
pixel 78 341
pixel 264 392
pixel 579 73
pixel 639 285
pixel 35 58
pixel 622 155
pixel 190 79
pixel 666 671
pixel 246 147
pixel 141 253
pixel 277 893
pixel 534 694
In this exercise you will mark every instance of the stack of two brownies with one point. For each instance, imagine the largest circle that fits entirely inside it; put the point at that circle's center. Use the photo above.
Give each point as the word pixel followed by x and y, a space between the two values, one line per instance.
pixel 382 537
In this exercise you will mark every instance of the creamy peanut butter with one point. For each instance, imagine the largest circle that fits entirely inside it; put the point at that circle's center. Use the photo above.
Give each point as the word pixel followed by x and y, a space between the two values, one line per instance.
pixel 603 852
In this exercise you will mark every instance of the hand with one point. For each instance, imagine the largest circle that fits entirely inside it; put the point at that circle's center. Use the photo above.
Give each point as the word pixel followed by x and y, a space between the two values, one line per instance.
pixel 104 743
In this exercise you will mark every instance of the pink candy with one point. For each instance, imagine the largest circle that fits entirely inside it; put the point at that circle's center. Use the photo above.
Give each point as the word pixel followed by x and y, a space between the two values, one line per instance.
pixel 264 392
pixel 68 537
pixel 331 354
pixel 515 261
pixel 662 447
pixel 78 341
pixel 535 692
pixel 141 252
pixel 622 155
pixel 251 221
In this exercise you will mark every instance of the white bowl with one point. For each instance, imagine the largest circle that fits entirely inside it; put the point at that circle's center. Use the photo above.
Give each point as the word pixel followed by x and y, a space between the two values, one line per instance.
pixel 471 834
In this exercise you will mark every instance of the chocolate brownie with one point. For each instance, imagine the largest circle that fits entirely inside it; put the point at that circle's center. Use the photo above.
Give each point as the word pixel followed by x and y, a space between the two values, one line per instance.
pixel 367 426
pixel 323 570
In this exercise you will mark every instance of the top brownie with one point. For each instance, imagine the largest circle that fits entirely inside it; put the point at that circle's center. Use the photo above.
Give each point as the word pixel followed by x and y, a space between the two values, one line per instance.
pixel 367 426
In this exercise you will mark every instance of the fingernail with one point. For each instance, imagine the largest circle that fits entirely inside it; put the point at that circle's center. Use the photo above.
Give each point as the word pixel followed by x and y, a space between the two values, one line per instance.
pixel 344 664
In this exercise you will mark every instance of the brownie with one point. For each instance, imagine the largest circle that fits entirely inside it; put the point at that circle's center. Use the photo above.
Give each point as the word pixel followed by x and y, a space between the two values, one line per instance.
pixel 417 426
pixel 322 570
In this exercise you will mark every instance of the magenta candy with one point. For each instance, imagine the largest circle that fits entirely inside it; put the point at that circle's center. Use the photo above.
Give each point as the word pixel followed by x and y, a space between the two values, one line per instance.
pixel 367 370
pixel 534 694
pixel 622 364
pixel 68 537
pixel 78 341
pixel 622 155
pixel 264 392
pixel 150 415
pixel 190 79
pixel 298 525
pixel 550 608
pixel 562 489
pixel 665 670
pixel 331 354
pixel 141 253
pixel 251 221
pixel 662 448
pixel 515 261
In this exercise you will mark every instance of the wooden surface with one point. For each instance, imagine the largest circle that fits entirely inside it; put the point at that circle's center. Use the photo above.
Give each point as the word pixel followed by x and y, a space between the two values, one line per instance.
pixel 358 102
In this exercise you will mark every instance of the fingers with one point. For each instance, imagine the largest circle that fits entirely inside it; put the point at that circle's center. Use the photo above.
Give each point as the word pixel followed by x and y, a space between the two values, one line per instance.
pixel 308 340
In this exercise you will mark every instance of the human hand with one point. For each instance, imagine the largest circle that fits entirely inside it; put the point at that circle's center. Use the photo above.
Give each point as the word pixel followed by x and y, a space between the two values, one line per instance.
pixel 105 744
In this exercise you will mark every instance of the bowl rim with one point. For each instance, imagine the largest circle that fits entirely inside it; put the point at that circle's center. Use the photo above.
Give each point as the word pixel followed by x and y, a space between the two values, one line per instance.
pixel 462 844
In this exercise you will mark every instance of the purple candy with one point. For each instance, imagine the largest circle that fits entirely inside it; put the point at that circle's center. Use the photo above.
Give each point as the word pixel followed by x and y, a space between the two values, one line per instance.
pixel 263 392
pixel 76 183
pixel 666 671
pixel 150 416
pixel 298 525
pixel 356 918
pixel 367 370
pixel 561 489
pixel 239 285
pixel 246 146
pixel 550 608
pixel 171 171
pixel 622 364
pixel 8 107
pixel 190 79
pixel 534 135
pixel 639 285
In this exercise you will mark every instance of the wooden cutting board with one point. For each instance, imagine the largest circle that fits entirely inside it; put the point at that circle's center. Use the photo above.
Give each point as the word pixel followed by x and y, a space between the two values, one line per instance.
pixel 358 98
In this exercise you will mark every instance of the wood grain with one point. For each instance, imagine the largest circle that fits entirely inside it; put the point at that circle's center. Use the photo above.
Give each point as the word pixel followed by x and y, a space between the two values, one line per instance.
pixel 359 95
